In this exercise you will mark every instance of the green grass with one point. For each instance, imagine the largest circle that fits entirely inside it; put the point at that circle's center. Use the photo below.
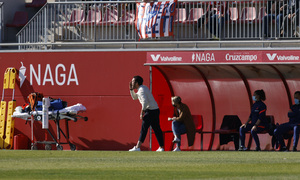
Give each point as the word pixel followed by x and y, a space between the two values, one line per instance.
pixel 148 165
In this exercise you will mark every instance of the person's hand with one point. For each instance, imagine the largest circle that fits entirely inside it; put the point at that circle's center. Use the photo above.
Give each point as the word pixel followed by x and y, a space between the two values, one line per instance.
pixel 254 128
pixel 243 126
pixel 294 14
pixel 289 16
pixel 281 8
pixel 142 115
pixel 170 119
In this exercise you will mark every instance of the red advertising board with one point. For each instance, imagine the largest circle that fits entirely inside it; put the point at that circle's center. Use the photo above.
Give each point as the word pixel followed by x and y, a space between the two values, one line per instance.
pixel 224 57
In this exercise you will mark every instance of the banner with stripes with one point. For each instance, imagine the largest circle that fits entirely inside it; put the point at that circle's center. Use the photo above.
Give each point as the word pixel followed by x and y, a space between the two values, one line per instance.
pixel 155 19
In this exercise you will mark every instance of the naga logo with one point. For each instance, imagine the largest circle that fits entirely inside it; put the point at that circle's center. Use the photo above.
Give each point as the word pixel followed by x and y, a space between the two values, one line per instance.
pixel 206 57
pixel 165 58
pixel 42 76
pixel 271 57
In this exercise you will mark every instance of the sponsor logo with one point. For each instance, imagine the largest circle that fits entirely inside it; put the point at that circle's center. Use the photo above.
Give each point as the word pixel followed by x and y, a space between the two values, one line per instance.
pixel 22 72
pixel 240 57
pixel 54 75
pixel 203 57
pixel 272 57
pixel 155 58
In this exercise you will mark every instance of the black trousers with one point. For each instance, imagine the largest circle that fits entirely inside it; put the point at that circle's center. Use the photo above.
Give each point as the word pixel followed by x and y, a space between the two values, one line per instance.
pixel 151 118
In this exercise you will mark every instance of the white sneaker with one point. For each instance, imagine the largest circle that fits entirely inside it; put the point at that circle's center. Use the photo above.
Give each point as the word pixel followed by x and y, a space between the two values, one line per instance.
pixel 242 148
pixel 177 149
pixel 176 140
pixel 135 149
pixel 160 149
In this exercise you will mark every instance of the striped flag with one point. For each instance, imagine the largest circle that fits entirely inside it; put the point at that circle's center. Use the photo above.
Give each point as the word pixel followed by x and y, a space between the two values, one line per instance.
pixel 155 19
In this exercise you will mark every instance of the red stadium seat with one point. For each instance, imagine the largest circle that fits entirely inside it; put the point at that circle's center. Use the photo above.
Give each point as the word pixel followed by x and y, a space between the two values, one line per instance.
pixel 180 15
pixel 248 14
pixel 128 17
pixel 94 17
pixel 20 19
pixel 36 3
pixel 229 130
pixel 195 14
pixel 270 120
pixel 234 14
pixel 110 16
pixel 77 16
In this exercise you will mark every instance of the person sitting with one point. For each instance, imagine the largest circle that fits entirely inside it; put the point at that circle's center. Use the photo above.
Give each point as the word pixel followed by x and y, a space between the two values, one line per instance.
pixel 214 18
pixel 257 118
pixel 293 124
pixel 275 10
pixel 290 18
pixel 182 123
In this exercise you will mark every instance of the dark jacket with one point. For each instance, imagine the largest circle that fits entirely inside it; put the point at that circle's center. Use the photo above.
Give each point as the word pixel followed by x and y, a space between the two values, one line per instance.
pixel 258 111
pixel 294 115
pixel 184 115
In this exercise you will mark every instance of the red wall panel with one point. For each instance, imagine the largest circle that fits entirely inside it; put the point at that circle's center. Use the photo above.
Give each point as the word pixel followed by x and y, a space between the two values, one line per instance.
pixel 99 80
pixel 102 86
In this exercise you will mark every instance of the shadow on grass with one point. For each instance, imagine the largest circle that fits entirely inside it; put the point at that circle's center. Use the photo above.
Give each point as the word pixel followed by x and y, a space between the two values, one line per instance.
pixel 105 144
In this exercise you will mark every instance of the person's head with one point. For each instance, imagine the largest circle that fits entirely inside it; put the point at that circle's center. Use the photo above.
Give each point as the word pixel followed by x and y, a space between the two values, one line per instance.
pixel 259 95
pixel 137 81
pixel 176 101
pixel 297 97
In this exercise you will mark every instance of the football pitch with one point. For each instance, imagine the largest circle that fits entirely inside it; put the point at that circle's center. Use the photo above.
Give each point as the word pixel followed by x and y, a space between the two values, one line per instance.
pixel 54 164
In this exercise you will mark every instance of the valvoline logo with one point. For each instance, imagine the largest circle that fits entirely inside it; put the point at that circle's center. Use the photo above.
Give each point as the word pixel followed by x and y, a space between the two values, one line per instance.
pixel 47 74
pixel 156 57
pixel 271 57
pixel 274 56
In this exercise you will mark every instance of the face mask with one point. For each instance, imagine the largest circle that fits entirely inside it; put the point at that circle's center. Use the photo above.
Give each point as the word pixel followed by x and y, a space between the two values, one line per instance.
pixel 296 101
pixel 253 98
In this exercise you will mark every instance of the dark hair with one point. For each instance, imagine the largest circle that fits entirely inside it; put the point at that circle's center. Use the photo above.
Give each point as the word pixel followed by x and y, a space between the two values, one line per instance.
pixel 261 94
pixel 297 92
pixel 139 80
pixel 176 99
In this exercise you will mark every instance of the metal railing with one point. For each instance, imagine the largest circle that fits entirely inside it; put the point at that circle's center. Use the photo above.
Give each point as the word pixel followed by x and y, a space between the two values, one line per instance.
pixel 113 21
pixel 1 21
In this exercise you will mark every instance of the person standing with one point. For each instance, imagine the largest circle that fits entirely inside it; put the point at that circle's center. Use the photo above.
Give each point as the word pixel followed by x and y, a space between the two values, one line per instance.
pixel 149 113
pixel 293 124
pixel 257 119
pixel 182 123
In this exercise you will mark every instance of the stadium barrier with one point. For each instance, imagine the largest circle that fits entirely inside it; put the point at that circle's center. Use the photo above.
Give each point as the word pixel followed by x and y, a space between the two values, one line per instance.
pixel 108 21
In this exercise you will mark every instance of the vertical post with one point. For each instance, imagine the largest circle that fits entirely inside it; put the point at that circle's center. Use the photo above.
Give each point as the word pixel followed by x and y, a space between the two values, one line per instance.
pixel 150 129
pixel 45 28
